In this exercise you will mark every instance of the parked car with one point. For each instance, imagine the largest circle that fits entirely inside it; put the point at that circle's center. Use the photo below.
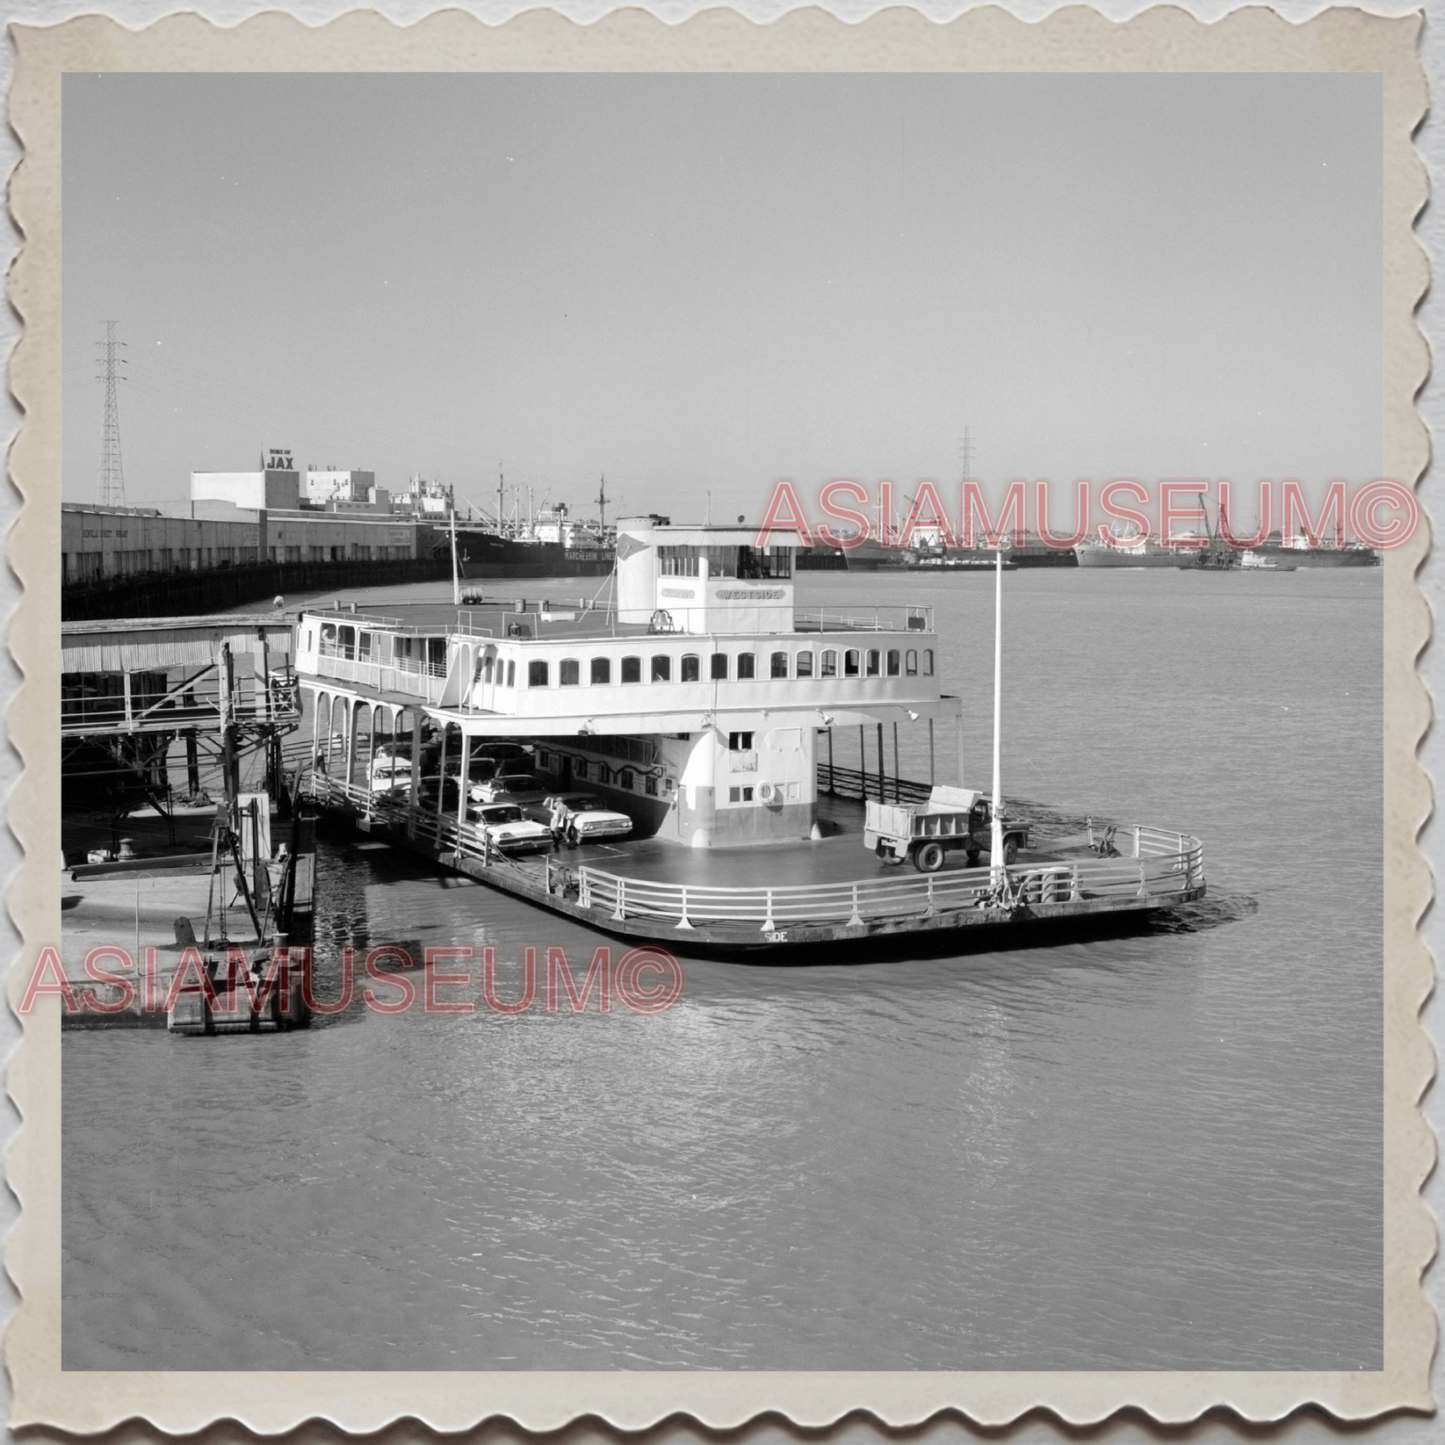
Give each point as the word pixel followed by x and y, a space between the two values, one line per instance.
pixel 390 774
pixel 512 787
pixel 426 795
pixel 583 817
pixel 508 831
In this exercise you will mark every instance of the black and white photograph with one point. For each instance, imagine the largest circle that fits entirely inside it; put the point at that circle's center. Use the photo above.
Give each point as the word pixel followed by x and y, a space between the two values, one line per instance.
pixel 722 722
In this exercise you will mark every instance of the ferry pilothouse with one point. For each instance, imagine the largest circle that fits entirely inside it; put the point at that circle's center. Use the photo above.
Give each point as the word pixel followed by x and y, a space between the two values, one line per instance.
pixel 697 708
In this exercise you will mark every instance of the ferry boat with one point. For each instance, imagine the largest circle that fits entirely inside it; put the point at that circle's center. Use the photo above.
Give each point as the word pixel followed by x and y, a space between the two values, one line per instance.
pixel 702 703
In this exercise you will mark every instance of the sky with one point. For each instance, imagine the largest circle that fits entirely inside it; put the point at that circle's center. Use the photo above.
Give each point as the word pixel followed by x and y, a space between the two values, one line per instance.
pixel 702 284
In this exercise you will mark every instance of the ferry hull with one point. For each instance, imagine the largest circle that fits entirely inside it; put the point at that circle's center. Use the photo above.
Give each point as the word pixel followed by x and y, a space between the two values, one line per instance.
pixel 1109 896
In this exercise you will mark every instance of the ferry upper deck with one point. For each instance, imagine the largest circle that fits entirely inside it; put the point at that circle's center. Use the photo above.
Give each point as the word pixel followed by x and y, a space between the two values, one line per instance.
pixel 700 659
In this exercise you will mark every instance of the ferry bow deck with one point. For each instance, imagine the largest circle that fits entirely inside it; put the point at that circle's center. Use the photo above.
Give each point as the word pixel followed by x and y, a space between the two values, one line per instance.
pixel 776 896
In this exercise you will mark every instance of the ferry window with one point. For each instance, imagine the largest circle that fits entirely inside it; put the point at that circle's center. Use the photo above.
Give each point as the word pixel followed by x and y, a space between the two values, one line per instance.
pixel 651 786
pixel 677 561
pixel 830 663
pixel 661 667
pixel 310 642
pixel 805 664
pixel 536 674
pixel 601 670
pixel 632 669
pixel 722 561
pixel 735 795
pixel 892 662
pixel 363 646
pixel 740 742
pixel 850 662
pixel 511 674
pixel 747 795
pixel 348 641
pixel 487 668
pixel 910 662
pixel 691 667
pixel 873 662
pixel 569 672
pixel 778 665
pixel 928 662
pixel 747 665
pixel 579 770
pixel 719 667
pixel 625 781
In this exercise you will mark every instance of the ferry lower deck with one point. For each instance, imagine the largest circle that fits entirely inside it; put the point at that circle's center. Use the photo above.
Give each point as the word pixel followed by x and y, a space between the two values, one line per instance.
pixel 793 898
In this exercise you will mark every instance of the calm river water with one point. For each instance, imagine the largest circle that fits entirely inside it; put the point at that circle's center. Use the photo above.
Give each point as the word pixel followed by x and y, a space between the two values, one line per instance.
pixel 1160 1152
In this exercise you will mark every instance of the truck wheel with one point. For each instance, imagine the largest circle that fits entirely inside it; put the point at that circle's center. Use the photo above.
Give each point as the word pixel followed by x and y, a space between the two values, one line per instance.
pixel 1010 849
pixel 971 857
pixel 929 858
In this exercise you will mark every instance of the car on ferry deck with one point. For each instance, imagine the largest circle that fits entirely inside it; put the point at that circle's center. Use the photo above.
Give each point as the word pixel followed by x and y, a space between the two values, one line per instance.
pixel 512 785
pixel 582 817
pixel 509 831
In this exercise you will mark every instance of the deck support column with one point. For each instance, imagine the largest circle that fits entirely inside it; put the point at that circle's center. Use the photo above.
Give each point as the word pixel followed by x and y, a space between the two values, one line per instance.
pixel 684 921
pixel 462 788
pixel 830 762
pixel 897 771
pixel 768 925
pixel 415 772
pixel 931 778
pixel 882 771
pixel 855 919
pixel 863 761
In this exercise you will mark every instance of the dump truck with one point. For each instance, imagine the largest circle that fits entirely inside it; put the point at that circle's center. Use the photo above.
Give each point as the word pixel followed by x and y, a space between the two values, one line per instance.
pixel 925 832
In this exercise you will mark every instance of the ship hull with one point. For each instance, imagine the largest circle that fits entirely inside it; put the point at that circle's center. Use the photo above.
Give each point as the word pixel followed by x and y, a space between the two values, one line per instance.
pixel 1318 556
pixel 483 556
pixel 1152 555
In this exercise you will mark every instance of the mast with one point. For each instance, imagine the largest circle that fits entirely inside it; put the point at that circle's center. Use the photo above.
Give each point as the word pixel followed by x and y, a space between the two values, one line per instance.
pixel 602 507
pixel 499 498
pixel 456 580
pixel 995 842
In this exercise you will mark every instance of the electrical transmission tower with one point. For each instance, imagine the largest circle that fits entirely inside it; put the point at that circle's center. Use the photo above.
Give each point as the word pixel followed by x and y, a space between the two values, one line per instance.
pixel 110 486
pixel 965 452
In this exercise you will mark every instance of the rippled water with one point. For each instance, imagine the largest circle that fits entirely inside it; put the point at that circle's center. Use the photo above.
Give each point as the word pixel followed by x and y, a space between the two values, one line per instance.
pixel 1162 1151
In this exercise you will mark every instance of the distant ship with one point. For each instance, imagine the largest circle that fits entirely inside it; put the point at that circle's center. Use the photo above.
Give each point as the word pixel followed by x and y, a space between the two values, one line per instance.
pixel 482 555
pixel 1298 552
pixel 1141 552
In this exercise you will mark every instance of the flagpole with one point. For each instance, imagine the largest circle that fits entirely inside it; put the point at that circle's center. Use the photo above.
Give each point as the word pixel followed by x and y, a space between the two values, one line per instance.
pixel 995 844
pixel 456 581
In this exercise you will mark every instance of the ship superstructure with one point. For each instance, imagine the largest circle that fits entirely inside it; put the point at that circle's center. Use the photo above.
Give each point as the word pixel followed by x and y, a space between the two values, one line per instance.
pixel 693 703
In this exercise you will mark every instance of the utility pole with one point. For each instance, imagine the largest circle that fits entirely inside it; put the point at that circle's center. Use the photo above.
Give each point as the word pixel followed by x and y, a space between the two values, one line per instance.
pixel 110 485
pixel 965 448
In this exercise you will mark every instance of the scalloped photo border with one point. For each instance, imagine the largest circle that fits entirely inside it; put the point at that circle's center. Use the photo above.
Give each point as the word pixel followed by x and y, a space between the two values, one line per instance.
pixel 1075 39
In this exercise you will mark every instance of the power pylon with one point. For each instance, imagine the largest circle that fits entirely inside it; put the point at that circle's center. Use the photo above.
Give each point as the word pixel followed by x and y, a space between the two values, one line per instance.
pixel 110 486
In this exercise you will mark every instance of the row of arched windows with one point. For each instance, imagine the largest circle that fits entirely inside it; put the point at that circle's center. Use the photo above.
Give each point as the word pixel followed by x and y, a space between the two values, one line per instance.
pixel 722 667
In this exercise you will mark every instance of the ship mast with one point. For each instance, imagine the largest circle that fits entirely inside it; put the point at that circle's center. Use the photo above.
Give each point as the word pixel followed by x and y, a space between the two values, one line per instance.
pixel 602 507
pixel 456 580
pixel 499 498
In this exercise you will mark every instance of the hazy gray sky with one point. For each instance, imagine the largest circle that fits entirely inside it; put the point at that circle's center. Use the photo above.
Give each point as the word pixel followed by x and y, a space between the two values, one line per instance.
pixel 694 282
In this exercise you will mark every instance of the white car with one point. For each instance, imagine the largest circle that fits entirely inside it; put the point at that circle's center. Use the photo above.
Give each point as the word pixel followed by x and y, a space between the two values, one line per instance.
pixel 582 818
pixel 508 831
